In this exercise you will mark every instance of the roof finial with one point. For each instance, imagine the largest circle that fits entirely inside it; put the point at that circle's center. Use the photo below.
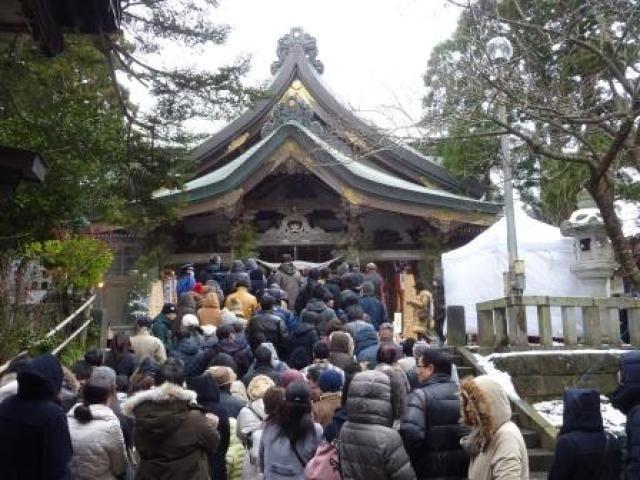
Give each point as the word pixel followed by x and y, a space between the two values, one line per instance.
pixel 297 38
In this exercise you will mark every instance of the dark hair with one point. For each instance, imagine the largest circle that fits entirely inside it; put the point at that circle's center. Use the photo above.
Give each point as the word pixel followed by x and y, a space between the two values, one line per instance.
pixel 241 282
pixel 224 331
pixel 171 371
pixel 224 360
pixel 17 364
pixel 91 395
pixel 122 383
pixel 407 346
pixel 440 361
pixel 140 382
pixel 94 357
pixel 262 355
pixel 295 421
pixel 325 273
pixel 82 370
pixel 419 285
pixel 320 350
pixel 313 374
pixel 354 312
pixel 314 273
pixel 267 302
pixel 320 292
pixel 350 371
pixel 348 298
pixel 273 400
pixel 387 354
pixel 334 325
pixel 120 345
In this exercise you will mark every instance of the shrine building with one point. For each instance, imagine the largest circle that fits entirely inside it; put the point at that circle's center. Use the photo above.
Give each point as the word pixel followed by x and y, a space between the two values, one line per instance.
pixel 302 174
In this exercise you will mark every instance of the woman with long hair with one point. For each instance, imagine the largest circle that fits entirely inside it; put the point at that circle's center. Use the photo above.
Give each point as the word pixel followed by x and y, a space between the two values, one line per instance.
pixel 291 438
pixel 96 435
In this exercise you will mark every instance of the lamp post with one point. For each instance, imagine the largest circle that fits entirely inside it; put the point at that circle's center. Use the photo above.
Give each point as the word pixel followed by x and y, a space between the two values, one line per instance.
pixel 500 51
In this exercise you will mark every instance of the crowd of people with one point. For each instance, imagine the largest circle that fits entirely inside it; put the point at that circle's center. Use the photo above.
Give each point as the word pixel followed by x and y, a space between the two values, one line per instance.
pixel 250 377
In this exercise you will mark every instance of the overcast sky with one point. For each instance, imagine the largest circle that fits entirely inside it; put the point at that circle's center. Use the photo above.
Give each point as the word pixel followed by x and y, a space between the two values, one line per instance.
pixel 374 51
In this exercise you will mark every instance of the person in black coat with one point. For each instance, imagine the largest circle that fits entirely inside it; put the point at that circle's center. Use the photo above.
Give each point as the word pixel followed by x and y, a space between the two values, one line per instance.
pixel 431 428
pixel 317 312
pixel 626 398
pixel 372 306
pixel 266 326
pixel 35 443
pixel 304 336
pixel 209 397
pixel 262 366
pixel 583 450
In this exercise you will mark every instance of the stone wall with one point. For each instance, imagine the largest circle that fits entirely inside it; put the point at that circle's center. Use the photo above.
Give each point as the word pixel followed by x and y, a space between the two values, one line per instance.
pixel 547 374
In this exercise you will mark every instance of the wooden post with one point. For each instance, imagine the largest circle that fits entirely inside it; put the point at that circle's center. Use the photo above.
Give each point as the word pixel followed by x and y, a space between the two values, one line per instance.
pixel 500 322
pixel 486 334
pixel 633 314
pixel 591 324
pixel 611 326
pixel 456 326
pixel 517 322
pixel 544 326
pixel 569 324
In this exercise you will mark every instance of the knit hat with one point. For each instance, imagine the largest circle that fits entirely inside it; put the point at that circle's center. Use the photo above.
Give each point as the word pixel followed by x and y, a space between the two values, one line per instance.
pixel 258 386
pixel 208 330
pixel 190 320
pixel 330 381
pixel 168 308
pixel 104 377
pixel 222 375
pixel 289 376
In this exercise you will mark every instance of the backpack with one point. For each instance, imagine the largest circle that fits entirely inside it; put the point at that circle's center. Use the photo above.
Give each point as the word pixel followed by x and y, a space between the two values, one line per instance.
pixel 325 464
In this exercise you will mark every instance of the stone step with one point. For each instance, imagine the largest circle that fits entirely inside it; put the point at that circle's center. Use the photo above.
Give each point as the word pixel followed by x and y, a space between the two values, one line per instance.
pixel 531 438
pixel 539 459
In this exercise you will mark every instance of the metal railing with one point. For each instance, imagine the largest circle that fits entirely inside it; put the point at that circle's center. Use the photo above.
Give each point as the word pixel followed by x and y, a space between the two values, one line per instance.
pixel 64 326
pixel 503 322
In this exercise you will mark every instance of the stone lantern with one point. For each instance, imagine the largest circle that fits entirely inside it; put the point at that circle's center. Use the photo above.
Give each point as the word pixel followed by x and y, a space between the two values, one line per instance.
pixel 594 258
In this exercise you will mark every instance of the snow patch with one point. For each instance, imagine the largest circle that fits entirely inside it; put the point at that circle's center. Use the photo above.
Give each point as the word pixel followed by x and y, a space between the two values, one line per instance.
pixel 503 378
pixel 614 420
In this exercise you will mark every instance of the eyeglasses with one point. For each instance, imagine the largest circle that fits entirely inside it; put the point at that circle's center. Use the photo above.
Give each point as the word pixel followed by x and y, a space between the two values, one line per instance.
pixel 421 366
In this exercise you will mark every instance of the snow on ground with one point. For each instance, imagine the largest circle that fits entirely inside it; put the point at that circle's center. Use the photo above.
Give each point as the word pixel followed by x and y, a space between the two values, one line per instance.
pixel 614 420
pixel 503 378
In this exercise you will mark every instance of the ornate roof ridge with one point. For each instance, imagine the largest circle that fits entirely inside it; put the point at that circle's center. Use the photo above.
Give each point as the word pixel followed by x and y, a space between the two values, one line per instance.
pixel 297 38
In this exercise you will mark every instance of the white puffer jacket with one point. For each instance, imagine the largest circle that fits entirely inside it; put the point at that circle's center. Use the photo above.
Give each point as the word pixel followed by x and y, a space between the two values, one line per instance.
pixel 249 430
pixel 98 446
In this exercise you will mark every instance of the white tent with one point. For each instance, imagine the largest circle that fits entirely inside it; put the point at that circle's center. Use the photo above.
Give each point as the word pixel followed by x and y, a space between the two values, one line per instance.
pixel 473 273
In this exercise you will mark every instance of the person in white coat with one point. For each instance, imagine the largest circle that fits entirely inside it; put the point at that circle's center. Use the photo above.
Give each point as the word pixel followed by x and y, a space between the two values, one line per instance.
pixel 250 424
pixel 98 444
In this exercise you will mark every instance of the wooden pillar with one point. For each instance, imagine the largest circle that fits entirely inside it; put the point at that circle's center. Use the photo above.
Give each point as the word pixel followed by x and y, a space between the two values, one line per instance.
pixel 500 323
pixel 517 321
pixel 633 314
pixel 486 333
pixel 591 324
pixel 544 326
pixel 569 324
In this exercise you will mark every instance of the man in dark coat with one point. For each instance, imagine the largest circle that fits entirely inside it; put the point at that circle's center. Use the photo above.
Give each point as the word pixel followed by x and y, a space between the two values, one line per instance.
pixel 266 326
pixel 214 272
pixel 209 397
pixel 174 439
pixel 431 428
pixel 304 336
pixel 238 272
pixel 584 451
pixel 626 398
pixel 372 306
pixel 162 326
pixel 305 293
pixel 234 344
pixel 262 366
pixel 317 312
pixel 34 437
pixel 371 275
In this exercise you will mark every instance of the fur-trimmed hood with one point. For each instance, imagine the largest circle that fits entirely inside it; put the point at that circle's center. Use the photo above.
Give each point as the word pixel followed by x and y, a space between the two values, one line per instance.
pixel 165 393
pixel 485 408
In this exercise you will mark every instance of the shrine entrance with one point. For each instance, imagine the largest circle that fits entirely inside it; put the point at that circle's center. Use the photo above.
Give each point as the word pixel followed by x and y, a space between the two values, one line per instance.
pixel 309 253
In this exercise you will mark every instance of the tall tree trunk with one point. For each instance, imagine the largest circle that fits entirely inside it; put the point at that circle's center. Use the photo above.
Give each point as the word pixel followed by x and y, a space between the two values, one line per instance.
pixel 602 191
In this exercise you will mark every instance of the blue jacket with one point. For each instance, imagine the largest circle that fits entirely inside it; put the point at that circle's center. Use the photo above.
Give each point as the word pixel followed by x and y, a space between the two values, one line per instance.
pixel 583 450
pixel 185 284
pixel 626 398
pixel 375 309
pixel 193 358
pixel 34 437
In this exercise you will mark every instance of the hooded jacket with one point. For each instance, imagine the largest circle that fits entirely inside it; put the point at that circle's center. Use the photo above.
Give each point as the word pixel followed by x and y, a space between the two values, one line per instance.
pixel 376 310
pixel 247 301
pixel 191 355
pixel 317 313
pixel 146 345
pixel 290 280
pixel 268 327
pixel 626 398
pixel 249 430
pixel 258 281
pixel 34 436
pixel 161 328
pixel 238 349
pixel 496 446
pixel 210 313
pixel 431 430
pixel 369 448
pixel 208 395
pixel 173 440
pixel 583 450
pixel 304 336
pixel 98 445
pixel 340 349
